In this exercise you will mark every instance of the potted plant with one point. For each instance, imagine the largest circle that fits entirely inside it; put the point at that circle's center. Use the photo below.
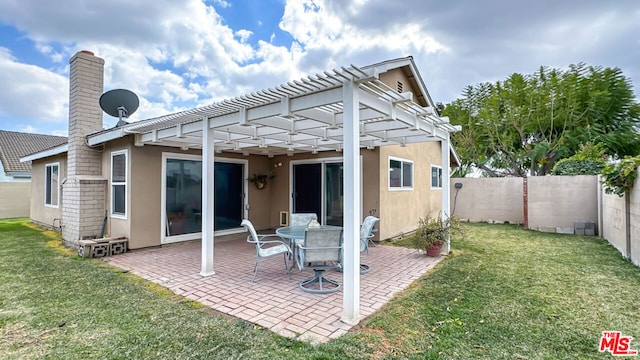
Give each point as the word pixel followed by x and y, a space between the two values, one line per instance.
pixel 260 180
pixel 432 233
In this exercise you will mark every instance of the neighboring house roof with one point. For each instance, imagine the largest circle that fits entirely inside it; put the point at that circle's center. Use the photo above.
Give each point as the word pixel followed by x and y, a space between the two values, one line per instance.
pixel 14 145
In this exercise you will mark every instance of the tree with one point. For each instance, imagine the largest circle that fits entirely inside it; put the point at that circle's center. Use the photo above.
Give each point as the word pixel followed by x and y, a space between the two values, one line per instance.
pixel 589 160
pixel 526 123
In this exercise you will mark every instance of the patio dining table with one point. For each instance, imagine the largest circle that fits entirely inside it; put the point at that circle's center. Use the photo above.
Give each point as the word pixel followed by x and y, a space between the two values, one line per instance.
pixel 295 234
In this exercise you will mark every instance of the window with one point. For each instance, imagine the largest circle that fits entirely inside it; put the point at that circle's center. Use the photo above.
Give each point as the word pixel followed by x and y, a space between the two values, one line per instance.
pixel 400 174
pixel 119 183
pixel 436 177
pixel 52 177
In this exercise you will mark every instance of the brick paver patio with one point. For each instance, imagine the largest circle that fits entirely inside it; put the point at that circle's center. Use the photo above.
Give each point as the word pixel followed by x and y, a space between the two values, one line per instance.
pixel 273 301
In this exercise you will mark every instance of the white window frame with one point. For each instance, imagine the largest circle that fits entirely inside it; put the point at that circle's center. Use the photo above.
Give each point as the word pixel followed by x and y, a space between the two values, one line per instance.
pixel 124 152
pixel 164 239
pixel 47 166
pixel 402 162
pixel 436 186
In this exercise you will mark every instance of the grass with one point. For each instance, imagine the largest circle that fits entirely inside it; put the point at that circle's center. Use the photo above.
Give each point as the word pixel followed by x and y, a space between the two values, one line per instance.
pixel 505 293
pixel 53 305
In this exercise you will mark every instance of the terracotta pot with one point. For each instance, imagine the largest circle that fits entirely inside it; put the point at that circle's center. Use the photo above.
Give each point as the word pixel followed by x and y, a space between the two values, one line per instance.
pixel 434 250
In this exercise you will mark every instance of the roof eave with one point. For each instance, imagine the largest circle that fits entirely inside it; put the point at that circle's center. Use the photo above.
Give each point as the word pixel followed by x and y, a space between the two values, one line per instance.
pixel 19 174
pixel 105 136
pixel 46 153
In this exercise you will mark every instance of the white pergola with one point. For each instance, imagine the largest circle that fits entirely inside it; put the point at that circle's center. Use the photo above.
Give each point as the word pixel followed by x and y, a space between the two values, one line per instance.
pixel 342 110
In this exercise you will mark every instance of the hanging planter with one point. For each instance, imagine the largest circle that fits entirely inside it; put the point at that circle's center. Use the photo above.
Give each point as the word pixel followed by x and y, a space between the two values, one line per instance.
pixel 261 180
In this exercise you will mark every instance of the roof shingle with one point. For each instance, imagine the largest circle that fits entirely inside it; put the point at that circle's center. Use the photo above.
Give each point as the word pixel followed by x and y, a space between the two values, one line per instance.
pixel 14 145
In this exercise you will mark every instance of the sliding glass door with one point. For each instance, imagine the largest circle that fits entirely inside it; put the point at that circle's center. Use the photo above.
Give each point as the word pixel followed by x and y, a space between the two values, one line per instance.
pixel 307 189
pixel 333 194
pixel 317 187
pixel 229 195
pixel 183 199
pixel 182 196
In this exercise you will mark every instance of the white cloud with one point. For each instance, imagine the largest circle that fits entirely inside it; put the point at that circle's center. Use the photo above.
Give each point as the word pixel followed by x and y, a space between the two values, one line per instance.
pixel 31 92
pixel 60 133
pixel 28 129
pixel 176 55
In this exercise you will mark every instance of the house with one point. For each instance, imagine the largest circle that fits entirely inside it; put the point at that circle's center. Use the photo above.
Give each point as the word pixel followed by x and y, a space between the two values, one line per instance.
pixel 14 145
pixel 15 190
pixel 342 144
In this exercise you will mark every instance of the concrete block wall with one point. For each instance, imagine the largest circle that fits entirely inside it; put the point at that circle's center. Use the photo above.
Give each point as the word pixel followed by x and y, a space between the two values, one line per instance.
pixel 555 203
pixel 623 234
pixel 488 199
pixel 14 199
pixel 561 201
pixel 614 225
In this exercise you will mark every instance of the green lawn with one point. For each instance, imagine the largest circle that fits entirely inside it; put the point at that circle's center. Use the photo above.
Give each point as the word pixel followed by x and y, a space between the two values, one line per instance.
pixel 504 293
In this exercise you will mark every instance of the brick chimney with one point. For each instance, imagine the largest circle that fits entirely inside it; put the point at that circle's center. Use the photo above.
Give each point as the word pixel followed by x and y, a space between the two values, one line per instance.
pixel 84 190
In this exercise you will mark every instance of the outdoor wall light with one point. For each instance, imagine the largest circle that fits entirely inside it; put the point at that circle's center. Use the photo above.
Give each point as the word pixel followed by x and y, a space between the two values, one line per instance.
pixel 278 164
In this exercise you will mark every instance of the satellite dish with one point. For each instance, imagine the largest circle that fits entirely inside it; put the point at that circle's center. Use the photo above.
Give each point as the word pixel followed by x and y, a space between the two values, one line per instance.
pixel 119 103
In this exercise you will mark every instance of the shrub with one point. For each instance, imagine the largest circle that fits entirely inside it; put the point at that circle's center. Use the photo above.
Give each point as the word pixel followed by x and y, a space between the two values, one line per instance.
pixel 571 166
pixel 433 231
pixel 618 178
pixel 588 160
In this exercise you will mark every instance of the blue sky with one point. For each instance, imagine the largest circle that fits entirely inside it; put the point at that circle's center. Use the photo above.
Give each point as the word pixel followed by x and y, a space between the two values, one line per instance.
pixel 180 54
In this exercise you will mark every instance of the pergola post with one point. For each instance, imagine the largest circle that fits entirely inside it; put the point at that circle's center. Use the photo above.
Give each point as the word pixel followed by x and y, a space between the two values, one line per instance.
pixel 208 189
pixel 446 188
pixel 352 216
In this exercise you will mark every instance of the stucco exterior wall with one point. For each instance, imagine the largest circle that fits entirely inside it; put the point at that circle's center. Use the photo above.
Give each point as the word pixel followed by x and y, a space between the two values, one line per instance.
pixel 38 211
pixel 14 199
pixel 400 210
pixel 371 185
pixel 117 227
pixel 144 193
pixel 485 199
pixel 560 201
pixel 391 78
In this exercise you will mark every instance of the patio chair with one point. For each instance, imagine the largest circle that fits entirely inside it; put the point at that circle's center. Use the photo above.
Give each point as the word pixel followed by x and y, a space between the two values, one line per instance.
pixel 302 219
pixel 320 250
pixel 267 248
pixel 366 233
